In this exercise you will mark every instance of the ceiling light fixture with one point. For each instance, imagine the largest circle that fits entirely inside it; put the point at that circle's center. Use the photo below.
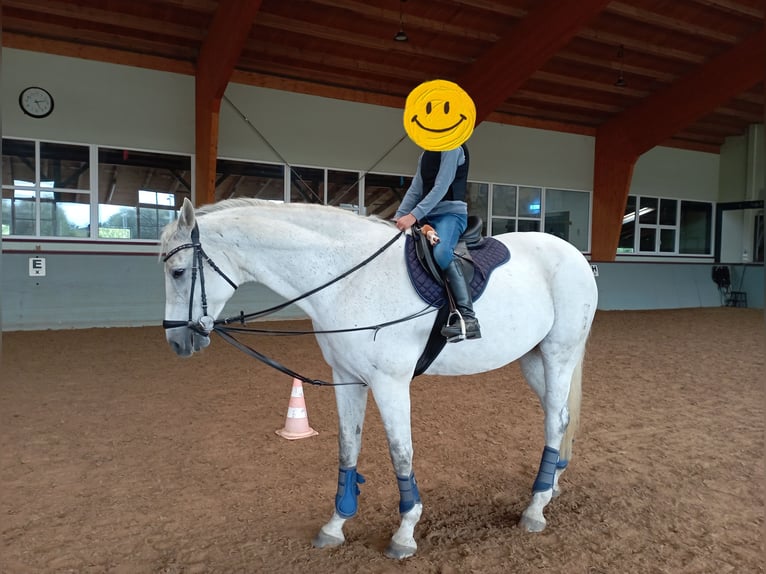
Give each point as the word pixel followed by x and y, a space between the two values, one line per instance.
pixel 401 35
pixel 620 83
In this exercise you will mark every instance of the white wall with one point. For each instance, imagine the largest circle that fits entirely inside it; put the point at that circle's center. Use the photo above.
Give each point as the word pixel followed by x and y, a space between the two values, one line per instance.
pixel 677 174
pixel 743 166
pixel 317 131
pixel 100 103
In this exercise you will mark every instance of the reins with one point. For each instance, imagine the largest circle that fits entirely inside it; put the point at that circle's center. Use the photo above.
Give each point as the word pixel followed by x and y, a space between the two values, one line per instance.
pixel 205 325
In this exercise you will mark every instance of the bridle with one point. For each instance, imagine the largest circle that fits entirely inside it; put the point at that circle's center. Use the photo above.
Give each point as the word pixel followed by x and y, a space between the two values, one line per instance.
pixel 206 323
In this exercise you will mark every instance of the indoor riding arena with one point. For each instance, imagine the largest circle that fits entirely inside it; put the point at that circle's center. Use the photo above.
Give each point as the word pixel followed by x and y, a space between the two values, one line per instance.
pixel 327 286
pixel 118 456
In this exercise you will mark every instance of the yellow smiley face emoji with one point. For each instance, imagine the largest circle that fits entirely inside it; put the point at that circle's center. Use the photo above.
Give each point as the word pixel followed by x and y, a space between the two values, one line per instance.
pixel 439 115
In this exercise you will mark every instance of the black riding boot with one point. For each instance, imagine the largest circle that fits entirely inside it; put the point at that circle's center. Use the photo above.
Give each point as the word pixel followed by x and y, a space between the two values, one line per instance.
pixel 461 293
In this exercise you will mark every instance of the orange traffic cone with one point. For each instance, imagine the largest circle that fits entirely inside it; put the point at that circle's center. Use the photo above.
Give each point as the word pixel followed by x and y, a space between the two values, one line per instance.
pixel 297 421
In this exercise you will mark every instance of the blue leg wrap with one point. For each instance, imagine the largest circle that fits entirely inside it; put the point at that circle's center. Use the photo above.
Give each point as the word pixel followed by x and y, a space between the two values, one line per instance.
pixel 547 471
pixel 408 493
pixel 562 464
pixel 348 489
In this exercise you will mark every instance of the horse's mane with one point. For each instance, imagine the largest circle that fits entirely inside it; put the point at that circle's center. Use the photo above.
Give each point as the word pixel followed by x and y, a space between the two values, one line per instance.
pixel 275 205
pixel 232 203
pixel 244 202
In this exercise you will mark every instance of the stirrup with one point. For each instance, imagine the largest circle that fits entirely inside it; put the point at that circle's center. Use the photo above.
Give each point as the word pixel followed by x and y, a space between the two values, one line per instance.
pixel 464 332
pixel 459 321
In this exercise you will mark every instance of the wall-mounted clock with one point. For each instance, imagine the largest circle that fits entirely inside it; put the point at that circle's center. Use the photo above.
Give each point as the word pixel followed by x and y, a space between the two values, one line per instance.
pixel 36 102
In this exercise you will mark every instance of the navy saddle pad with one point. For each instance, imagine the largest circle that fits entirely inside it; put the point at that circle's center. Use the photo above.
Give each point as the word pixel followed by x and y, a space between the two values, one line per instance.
pixel 486 257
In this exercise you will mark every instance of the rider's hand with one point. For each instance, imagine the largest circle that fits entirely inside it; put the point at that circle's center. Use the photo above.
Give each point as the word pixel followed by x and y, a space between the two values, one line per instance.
pixel 405 222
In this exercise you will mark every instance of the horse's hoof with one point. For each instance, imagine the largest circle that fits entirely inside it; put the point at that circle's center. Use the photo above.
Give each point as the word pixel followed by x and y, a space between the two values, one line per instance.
pixel 531 524
pixel 399 551
pixel 324 540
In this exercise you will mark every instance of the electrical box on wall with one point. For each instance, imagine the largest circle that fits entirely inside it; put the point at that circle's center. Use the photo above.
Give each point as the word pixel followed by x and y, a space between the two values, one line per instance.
pixel 37 266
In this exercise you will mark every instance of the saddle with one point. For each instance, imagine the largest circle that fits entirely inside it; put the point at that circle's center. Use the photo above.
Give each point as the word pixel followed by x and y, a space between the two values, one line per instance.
pixel 478 255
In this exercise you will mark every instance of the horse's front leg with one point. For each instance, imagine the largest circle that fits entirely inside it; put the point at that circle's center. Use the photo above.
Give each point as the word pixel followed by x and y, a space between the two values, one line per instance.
pixel 351 401
pixel 393 400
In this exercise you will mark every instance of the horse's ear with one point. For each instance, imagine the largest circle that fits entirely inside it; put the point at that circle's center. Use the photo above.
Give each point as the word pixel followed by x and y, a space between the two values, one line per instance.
pixel 186 215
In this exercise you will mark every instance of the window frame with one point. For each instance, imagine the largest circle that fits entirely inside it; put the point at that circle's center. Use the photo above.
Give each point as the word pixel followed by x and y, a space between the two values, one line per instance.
pixel 137 243
pixel 93 239
pixel 658 227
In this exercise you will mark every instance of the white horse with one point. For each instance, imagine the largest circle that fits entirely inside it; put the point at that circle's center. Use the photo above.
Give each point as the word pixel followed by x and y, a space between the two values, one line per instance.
pixel 537 308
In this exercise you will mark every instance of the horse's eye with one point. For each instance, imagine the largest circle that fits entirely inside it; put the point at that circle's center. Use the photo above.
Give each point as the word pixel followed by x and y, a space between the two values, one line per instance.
pixel 177 273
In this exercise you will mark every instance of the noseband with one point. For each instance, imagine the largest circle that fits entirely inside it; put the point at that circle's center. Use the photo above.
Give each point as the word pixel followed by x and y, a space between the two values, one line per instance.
pixel 206 323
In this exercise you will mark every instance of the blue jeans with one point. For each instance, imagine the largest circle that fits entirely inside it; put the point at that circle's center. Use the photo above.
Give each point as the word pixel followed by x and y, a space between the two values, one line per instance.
pixel 449 227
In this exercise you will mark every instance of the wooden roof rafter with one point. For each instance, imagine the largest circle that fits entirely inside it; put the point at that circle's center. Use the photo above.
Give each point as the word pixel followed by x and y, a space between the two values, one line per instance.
pixel 527 46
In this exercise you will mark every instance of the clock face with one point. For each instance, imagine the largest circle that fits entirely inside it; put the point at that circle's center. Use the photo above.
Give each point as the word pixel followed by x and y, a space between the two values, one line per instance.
pixel 36 102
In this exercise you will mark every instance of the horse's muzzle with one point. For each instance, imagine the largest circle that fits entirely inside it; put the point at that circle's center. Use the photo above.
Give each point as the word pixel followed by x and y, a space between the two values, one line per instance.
pixel 188 337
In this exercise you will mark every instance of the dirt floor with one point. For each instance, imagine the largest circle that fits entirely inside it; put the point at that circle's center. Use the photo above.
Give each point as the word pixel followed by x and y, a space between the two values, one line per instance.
pixel 117 456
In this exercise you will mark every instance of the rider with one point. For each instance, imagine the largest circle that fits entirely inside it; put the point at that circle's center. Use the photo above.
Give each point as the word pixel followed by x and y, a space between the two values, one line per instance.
pixel 437 196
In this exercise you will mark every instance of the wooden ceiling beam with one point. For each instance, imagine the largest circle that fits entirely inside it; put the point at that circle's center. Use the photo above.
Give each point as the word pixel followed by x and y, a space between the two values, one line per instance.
pixel 660 116
pixel 495 7
pixel 86 38
pixel 734 7
pixel 674 24
pixel 104 17
pixel 689 145
pixel 330 34
pixel 616 66
pixel 640 46
pixel 223 45
pixel 525 49
pixel 578 82
pixel 99 54
pixel 226 37
pixel 374 12
pixel 584 104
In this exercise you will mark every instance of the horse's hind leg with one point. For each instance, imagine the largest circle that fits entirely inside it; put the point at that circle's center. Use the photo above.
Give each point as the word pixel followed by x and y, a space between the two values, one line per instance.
pixel 351 402
pixel 556 382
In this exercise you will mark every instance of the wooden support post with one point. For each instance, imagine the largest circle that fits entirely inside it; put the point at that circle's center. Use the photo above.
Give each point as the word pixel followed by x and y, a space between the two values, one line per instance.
pixel 225 41
pixel 206 120
pixel 613 172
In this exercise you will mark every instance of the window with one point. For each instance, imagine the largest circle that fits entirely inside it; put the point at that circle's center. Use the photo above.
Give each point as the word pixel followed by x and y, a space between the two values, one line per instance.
pixel 661 226
pixel 343 189
pixel 50 190
pixel 477 198
pixel 306 185
pixel 567 215
pixel 83 191
pixel 383 193
pixel 249 179
pixel 516 208
pixel 92 192
pixel 696 228
pixel 139 192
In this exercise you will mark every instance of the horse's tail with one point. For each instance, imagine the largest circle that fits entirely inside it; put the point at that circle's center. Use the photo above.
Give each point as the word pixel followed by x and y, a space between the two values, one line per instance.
pixel 573 405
